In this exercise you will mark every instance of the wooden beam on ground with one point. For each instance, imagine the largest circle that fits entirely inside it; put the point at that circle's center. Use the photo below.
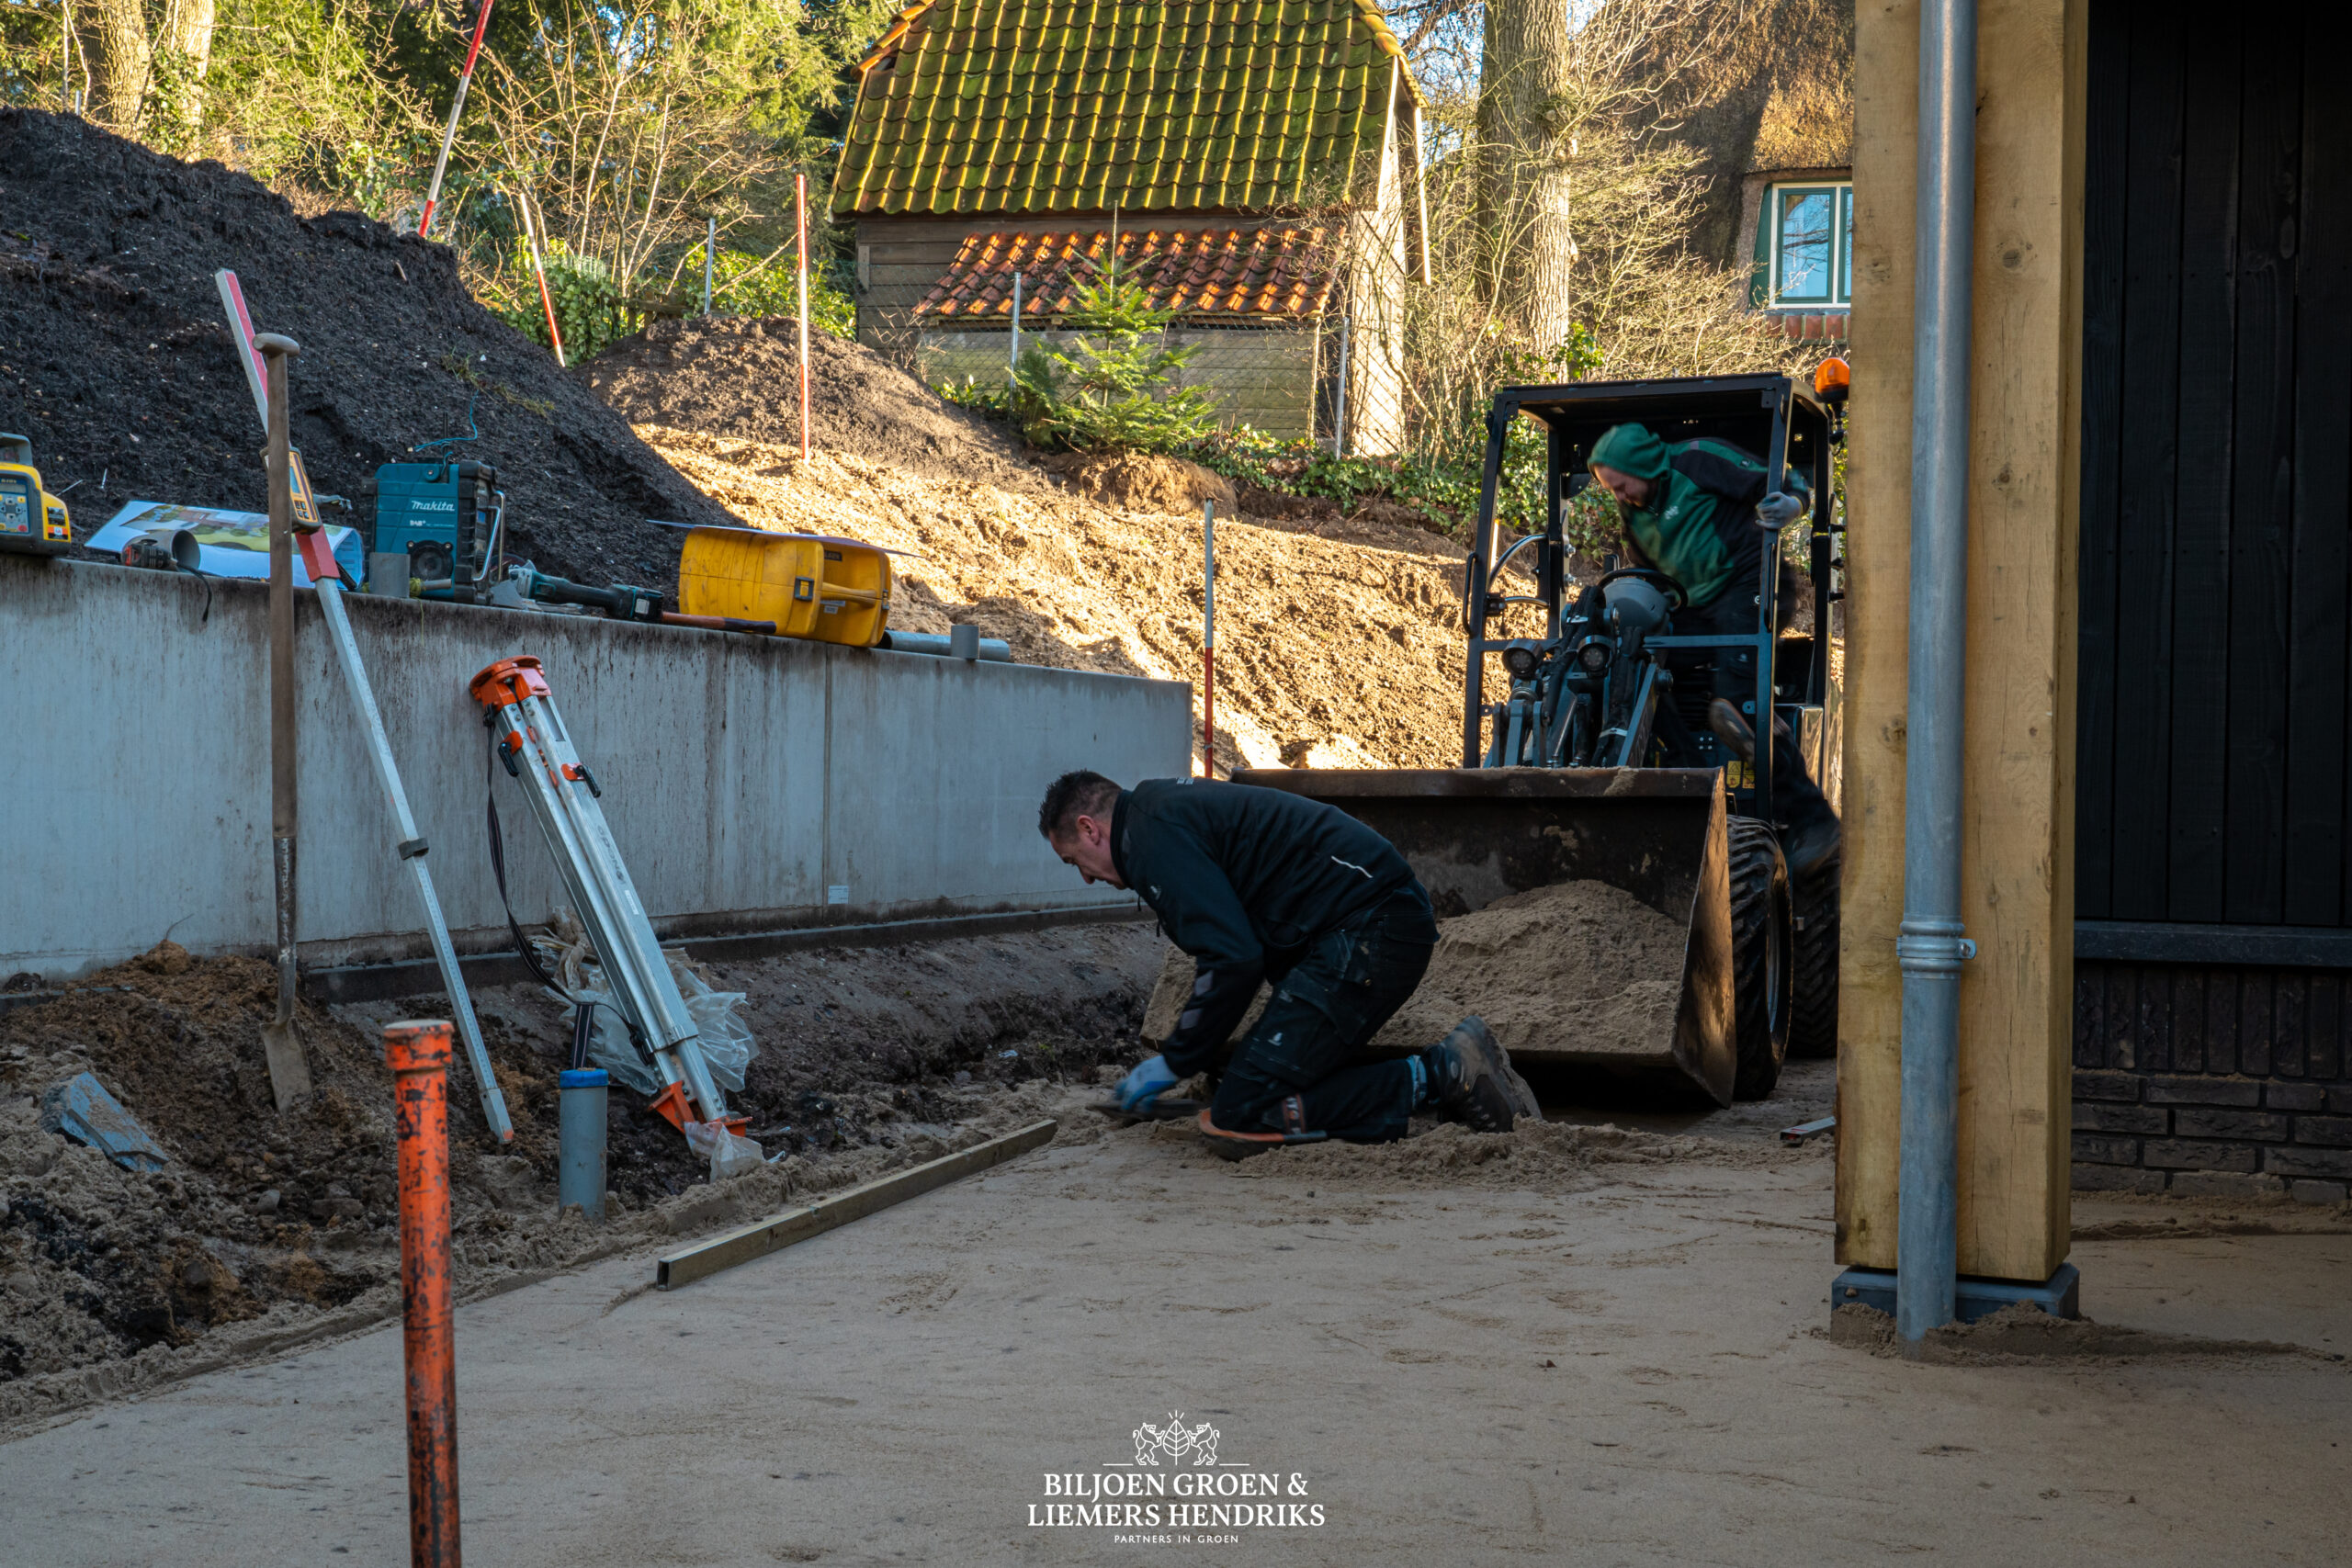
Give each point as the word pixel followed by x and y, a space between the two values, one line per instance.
pixel 780 1231
pixel 2024 475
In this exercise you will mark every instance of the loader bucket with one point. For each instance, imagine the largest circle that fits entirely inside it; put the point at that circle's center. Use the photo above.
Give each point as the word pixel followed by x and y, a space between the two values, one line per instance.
pixel 1476 835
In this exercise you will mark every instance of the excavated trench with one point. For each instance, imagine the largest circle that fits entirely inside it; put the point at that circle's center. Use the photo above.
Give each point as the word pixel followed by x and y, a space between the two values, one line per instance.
pixel 262 1228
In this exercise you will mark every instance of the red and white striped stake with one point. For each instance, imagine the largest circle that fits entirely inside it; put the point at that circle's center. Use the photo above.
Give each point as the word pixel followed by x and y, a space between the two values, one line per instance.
pixel 233 299
pixel 539 270
pixel 456 106
pixel 800 211
pixel 1208 640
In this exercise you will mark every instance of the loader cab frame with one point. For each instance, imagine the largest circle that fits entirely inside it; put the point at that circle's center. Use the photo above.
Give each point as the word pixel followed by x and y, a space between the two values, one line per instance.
pixel 1773 416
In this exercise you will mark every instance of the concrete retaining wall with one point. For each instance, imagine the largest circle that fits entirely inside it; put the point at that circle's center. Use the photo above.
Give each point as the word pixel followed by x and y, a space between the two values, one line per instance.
pixel 752 783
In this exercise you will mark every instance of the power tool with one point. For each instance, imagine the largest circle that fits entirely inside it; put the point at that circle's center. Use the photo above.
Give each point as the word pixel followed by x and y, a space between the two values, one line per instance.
pixel 444 516
pixel 32 521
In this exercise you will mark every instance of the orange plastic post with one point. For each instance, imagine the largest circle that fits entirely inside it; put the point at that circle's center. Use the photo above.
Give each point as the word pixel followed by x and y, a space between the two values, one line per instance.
pixel 418 1054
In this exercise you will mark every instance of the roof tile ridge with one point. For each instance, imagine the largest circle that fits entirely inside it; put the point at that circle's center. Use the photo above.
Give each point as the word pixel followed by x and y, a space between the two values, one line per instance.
pixel 1385 35
pixel 892 34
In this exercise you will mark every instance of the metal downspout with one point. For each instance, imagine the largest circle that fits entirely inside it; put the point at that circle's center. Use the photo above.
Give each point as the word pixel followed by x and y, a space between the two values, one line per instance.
pixel 1931 947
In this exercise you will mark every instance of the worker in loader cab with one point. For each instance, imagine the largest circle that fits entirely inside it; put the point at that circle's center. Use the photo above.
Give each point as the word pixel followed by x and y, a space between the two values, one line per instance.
pixel 1703 513
pixel 1263 884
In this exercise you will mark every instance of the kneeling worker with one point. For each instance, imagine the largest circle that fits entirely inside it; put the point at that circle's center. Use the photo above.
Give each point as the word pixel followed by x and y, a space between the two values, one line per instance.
pixel 1263 884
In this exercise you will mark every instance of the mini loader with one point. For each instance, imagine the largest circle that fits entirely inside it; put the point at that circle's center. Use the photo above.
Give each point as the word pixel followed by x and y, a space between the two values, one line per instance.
pixel 1594 758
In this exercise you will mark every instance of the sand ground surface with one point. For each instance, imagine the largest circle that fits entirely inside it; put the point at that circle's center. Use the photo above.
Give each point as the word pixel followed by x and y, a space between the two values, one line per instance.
pixel 1623 1360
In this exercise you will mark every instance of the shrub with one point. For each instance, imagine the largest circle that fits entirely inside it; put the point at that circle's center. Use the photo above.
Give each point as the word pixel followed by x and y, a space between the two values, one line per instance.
pixel 1114 393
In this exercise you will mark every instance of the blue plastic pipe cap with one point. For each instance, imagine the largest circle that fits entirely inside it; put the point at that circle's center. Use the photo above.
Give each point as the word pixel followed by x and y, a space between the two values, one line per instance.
pixel 585 1077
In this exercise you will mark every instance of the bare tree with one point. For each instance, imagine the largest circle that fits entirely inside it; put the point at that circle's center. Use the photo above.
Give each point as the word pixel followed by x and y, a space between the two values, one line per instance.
pixel 1634 300
pixel 624 124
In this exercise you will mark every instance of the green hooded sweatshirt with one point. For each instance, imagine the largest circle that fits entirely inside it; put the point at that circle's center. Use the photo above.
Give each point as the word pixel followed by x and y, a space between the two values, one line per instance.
pixel 1700 527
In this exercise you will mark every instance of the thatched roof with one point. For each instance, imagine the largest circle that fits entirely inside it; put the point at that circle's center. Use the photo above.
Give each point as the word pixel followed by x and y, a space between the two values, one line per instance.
pixel 1779 96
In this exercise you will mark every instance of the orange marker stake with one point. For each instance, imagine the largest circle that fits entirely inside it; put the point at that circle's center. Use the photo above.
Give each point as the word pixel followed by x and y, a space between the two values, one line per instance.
pixel 418 1054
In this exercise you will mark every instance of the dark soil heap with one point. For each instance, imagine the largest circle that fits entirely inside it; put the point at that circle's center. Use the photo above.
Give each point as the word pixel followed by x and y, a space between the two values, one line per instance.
pixel 741 377
pixel 115 357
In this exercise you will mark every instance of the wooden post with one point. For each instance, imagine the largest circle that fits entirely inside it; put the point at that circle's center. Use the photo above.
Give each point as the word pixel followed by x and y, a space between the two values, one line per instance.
pixel 2016 996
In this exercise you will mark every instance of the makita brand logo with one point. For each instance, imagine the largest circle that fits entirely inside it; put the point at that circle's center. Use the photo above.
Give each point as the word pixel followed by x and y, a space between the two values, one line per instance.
pixel 420 505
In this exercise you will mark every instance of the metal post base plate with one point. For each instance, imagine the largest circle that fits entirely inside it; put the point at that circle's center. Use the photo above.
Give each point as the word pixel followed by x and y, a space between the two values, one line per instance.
pixel 2060 1295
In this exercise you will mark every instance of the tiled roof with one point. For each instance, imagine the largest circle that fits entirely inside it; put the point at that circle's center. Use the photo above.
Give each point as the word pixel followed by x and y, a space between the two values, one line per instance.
pixel 1097 106
pixel 1200 273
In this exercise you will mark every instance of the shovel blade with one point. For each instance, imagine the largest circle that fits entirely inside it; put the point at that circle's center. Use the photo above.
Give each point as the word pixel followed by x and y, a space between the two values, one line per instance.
pixel 289 1070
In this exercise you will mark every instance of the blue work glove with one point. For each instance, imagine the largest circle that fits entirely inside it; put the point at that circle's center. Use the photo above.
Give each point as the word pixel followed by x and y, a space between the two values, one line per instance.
pixel 1778 510
pixel 1150 1079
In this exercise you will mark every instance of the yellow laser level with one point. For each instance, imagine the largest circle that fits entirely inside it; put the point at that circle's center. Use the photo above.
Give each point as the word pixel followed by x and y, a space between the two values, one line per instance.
pixel 32 521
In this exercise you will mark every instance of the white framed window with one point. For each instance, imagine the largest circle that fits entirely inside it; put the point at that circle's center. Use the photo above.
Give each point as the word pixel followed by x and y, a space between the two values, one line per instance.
pixel 1809 230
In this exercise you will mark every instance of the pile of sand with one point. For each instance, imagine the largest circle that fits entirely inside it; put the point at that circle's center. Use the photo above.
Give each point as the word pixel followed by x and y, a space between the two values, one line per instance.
pixel 1579 965
pixel 1576 963
pixel 1136 481
pixel 1332 651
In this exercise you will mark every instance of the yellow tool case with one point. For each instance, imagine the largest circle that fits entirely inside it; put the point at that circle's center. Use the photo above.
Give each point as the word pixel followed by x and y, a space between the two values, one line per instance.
pixel 810 585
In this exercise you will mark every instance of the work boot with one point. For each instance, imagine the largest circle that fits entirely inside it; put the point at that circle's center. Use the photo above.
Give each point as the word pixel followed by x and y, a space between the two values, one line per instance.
pixel 1471 1078
pixel 1811 844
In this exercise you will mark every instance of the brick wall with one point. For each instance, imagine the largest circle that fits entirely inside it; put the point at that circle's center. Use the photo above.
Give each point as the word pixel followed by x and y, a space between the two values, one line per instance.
pixel 2220 1080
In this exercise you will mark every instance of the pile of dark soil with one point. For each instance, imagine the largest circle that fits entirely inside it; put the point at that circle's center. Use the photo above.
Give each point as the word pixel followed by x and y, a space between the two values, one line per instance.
pixel 741 377
pixel 115 360
pixel 262 1224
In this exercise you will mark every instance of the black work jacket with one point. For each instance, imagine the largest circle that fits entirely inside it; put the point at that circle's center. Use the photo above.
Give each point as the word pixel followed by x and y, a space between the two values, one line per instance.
pixel 1243 879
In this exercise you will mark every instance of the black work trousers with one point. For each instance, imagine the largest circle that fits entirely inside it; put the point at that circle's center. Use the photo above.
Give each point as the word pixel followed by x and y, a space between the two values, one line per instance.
pixel 1796 799
pixel 1308 1046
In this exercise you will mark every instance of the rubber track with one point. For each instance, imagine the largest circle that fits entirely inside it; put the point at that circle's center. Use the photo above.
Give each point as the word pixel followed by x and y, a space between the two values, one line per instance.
pixel 1756 869
pixel 1813 1010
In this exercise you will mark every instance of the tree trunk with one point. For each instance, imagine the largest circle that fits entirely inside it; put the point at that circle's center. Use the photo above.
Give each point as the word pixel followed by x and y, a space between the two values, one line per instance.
pixel 114 37
pixel 187 31
pixel 185 46
pixel 1523 178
